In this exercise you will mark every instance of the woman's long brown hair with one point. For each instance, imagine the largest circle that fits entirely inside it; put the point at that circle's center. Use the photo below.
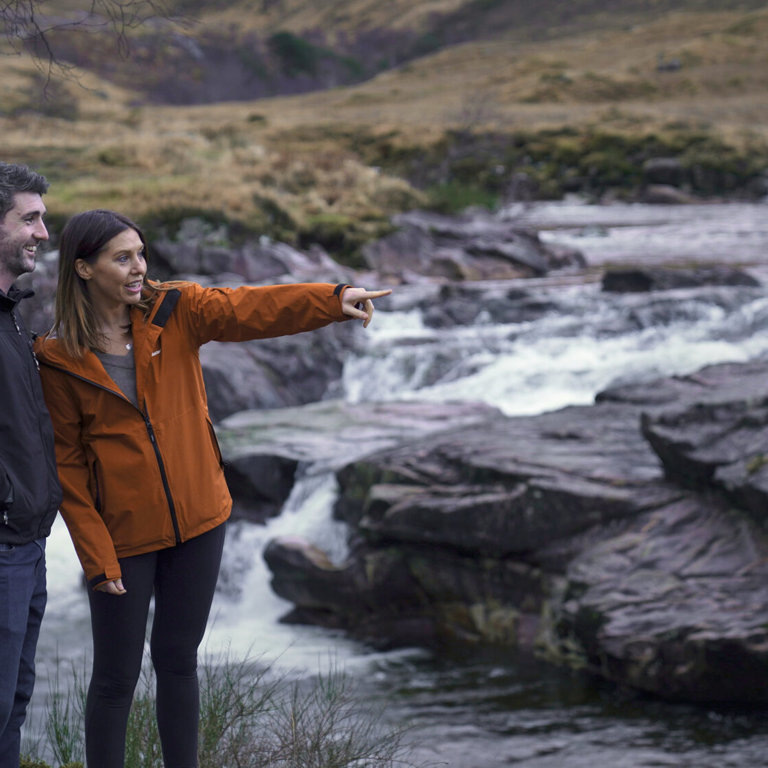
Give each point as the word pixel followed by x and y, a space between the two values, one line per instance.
pixel 84 237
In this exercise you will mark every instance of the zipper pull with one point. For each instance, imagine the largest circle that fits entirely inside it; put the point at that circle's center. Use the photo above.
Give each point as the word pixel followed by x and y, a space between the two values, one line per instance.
pixel 29 341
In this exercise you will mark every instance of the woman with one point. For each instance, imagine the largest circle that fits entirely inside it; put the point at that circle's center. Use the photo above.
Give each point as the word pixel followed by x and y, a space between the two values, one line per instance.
pixel 144 493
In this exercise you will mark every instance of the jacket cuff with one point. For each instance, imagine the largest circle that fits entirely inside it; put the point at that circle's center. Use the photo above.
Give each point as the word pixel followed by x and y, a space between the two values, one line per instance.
pixel 97 581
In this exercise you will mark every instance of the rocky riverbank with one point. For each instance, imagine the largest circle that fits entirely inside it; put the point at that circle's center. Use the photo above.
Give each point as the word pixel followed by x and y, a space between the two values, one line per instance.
pixel 624 536
pixel 563 532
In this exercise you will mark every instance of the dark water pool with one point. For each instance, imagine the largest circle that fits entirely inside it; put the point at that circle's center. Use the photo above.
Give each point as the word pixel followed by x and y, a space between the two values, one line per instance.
pixel 482 713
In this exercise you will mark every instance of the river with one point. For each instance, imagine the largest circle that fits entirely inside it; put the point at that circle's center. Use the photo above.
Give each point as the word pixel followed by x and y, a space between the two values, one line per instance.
pixel 484 712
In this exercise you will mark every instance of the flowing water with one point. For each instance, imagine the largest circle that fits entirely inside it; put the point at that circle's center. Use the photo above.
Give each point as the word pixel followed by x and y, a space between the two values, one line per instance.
pixel 483 712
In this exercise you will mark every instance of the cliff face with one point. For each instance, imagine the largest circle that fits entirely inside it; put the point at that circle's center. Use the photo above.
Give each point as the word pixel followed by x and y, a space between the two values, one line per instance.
pixel 626 536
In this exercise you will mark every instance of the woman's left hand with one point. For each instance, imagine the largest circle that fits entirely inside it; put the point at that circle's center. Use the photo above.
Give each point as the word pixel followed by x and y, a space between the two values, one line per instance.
pixel 357 302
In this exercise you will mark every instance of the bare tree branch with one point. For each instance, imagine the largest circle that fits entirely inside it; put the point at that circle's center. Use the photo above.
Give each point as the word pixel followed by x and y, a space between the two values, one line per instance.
pixel 27 28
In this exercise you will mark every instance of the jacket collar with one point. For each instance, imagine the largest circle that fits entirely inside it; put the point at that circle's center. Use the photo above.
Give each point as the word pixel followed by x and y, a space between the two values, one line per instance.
pixel 145 334
pixel 9 300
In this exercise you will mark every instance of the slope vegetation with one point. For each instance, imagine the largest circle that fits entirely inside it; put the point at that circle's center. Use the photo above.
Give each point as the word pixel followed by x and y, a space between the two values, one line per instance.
pixel 576 91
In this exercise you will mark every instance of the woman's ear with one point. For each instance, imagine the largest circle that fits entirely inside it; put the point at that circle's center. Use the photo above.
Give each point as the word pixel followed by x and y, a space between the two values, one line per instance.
pixel 83 269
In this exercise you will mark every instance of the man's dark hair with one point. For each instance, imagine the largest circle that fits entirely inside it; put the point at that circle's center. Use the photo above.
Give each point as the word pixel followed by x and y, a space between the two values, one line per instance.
pixel 18 178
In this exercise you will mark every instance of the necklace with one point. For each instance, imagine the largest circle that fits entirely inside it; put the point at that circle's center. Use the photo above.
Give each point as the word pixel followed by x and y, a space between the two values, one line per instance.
pixel 125 331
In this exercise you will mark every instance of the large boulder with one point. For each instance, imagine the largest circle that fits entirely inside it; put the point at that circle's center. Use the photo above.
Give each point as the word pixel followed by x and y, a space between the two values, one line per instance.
pixel 202 250
pixel 675 603
pixel 274 373
pixel 719 439
pixel 474 246
pixel 262 449
pixel 568 533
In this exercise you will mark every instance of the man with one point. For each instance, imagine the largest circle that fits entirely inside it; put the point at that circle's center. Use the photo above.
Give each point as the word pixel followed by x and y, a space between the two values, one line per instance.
pixel 29 488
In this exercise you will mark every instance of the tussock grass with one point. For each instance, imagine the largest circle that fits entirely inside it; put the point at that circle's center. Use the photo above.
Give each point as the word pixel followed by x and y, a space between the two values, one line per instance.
pixel 290 167
pixel 250 717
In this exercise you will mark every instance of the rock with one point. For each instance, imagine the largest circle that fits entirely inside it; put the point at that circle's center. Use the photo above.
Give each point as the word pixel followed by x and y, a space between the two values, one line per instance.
pixel 274 373
pixel 332 433
pixel 568 532
pixel 664 194
pixel 667 171
pixel 502 487
pixel 465 510
pixel 475 246
pixel 263 448
pixel 675 604
pixel 260 484
pixel 642 279
pixel 466 303
pixel 717 439
pixel 199 249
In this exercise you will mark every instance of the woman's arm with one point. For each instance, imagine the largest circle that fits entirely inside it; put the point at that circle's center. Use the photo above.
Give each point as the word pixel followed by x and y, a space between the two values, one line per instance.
pixel 260 312
pixel 90 536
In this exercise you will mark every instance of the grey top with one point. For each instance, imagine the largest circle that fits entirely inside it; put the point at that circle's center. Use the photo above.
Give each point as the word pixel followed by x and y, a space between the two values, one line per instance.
pixel 122 369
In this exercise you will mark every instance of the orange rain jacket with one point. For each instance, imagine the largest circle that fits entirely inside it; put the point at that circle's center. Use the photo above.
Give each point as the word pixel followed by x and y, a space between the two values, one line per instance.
pixel 139 480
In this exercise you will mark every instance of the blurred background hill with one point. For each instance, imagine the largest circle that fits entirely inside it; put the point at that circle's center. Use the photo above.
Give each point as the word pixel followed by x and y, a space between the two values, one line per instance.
pixel 316 122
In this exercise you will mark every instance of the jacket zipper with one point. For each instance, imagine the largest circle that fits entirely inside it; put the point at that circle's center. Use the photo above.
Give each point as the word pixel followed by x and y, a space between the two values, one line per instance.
pixel 161 465
pixel 37 365
pixel 152 439
pixel 29 343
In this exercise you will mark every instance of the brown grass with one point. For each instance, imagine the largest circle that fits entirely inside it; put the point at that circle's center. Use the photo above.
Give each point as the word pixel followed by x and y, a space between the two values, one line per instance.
pixel 227 157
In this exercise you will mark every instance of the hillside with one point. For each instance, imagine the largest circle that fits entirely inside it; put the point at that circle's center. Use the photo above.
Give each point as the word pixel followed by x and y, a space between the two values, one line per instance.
pixel 332 164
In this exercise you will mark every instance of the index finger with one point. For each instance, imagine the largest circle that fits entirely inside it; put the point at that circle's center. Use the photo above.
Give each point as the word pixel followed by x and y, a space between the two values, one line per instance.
pixel 374 294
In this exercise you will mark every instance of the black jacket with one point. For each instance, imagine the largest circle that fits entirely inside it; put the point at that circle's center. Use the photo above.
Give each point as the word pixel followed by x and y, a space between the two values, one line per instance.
pixel 29 485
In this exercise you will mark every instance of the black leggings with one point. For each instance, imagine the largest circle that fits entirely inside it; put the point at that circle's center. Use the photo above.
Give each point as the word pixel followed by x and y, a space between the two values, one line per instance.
pixel 183 579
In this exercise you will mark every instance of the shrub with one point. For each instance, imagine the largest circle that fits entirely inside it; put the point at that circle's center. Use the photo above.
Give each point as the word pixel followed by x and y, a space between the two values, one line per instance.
pixel 295 54
pixel 455 196
pixel 250 717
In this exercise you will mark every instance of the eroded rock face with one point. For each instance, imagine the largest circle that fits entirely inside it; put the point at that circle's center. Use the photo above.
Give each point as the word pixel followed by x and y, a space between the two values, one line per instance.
pixel 475 246
pixel 261 444
pixel 569 533
pixel 674 604
pixel 274 373
pixel 719 439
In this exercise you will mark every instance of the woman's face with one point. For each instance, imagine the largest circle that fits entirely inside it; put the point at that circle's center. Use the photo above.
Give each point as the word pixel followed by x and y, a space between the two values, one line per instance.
pixel 117 275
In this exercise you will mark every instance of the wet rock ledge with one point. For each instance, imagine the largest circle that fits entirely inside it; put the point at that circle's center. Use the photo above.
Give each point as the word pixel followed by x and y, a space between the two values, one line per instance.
pixel 627 537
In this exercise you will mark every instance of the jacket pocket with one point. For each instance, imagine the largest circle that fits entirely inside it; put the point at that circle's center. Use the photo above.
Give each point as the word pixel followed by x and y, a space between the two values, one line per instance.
pixel 7 494
pixel 7 497
pixel 215 443
pixel 96 486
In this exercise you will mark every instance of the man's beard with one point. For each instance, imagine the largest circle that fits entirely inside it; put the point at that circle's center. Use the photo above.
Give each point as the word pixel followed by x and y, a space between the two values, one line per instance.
pixel 19 262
